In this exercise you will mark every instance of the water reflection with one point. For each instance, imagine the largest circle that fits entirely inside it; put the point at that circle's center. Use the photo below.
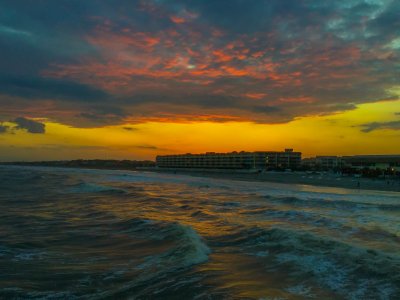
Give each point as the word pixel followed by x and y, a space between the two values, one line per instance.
pixel 110 234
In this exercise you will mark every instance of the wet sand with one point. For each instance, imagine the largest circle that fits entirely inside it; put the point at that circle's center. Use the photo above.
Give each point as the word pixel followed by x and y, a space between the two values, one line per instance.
pixel 302 178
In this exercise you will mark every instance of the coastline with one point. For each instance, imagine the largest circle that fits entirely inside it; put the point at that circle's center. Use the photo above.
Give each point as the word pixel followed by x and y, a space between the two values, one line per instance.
pixel 299 178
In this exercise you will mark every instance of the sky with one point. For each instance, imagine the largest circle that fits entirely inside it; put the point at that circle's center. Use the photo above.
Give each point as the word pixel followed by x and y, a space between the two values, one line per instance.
pixel 126 79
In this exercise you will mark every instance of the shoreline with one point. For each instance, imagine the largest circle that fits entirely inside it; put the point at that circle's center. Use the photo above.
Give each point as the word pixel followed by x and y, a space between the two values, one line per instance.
pixel 299 178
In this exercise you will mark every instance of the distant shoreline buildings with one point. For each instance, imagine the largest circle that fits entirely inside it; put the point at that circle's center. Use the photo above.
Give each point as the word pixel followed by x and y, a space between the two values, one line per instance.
pixel 257 161
pixel 354 163
pixel 261 160
pixel 372 165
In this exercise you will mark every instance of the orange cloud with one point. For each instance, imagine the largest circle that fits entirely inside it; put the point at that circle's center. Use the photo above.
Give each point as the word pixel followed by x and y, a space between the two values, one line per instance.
pixel 222 56
pixel 256 96
pixel 177 20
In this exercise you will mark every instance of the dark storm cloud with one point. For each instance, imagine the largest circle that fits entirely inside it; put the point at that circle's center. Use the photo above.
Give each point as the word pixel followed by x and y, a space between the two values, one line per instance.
pixel 388 18
pixel 32 37
pixel 103 62
pixel 97 119
pixel 30 125
pixel 100 115
pixel 393 125
pixel 44 88
pixel 265 109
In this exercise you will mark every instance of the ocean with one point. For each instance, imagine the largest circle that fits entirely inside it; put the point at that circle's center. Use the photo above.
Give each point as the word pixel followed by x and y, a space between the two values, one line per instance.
pixel 101 234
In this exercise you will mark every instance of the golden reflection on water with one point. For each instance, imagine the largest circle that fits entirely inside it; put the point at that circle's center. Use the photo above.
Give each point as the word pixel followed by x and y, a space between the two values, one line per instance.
pixel 248 235
pixel 247 276
pixel 244 275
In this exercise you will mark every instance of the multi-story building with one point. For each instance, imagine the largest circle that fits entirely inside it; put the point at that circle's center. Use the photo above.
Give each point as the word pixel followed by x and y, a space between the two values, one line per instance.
pixel 382 162
pixel 287 159
pixel 233 160
pixel 322 162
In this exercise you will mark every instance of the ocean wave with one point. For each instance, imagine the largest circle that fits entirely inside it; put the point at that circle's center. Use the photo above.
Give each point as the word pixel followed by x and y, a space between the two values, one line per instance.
pixel 151 250
pixel 361 226
pixel 92 234
pixel 185 246
pixel 350 271
pixel 187 249
pixel 29 255
pixel 85 187
pixel 18 293
pixel 335 204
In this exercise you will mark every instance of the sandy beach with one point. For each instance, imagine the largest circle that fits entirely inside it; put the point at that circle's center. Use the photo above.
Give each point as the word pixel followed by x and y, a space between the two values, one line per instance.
pixel 318 179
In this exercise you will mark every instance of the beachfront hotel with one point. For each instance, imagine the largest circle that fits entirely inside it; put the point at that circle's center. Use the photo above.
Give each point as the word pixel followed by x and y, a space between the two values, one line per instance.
pixel 261 160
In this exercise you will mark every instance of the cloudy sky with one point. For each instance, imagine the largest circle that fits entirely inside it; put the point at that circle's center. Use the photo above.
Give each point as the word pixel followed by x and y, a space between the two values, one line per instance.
pixel 133 79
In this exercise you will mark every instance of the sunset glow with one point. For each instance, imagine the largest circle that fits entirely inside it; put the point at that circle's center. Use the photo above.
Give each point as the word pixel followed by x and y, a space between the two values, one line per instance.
pixel 158 77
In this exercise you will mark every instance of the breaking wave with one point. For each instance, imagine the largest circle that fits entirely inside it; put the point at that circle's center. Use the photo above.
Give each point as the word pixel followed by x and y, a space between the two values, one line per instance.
pixel 80 234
